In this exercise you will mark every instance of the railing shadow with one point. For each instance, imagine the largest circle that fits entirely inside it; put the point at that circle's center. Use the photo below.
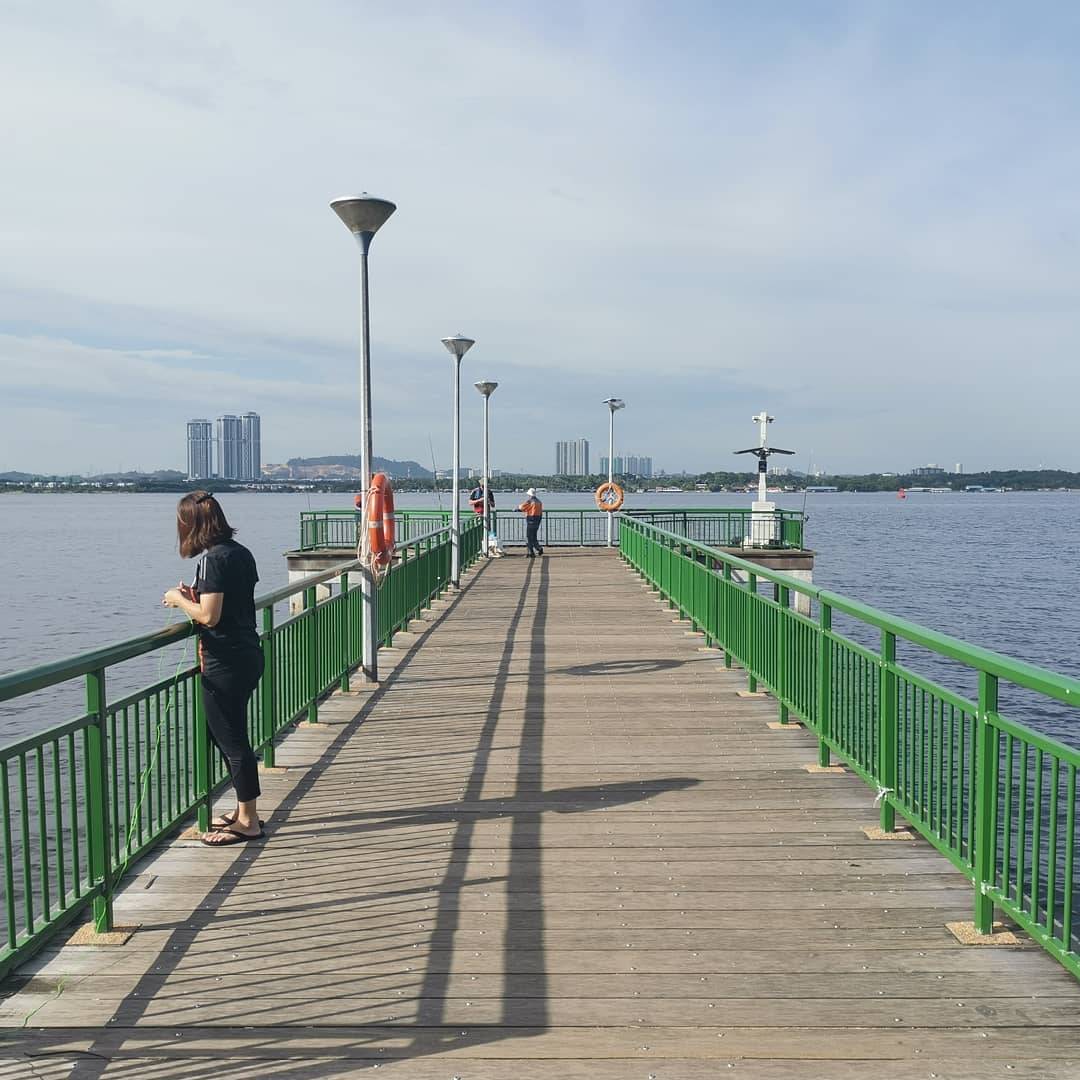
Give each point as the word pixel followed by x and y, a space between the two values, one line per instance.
pixel 524 1000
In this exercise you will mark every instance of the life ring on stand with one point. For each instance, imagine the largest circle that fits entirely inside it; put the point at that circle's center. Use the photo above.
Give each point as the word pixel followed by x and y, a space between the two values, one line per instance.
pixel 380 519
pixel 609 497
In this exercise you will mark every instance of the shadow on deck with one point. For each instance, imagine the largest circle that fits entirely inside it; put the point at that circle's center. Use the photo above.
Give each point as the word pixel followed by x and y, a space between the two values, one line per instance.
pixel 551 842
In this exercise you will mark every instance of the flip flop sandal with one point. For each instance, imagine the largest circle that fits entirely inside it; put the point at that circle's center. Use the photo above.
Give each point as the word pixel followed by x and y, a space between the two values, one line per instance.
pixel 226 821
pixel 235 838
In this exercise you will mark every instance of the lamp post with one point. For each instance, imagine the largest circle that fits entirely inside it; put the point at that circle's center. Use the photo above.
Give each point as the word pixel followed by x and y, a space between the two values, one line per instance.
pixel 363 215
pixel 613 404
pixel 487 388
pixel 457 346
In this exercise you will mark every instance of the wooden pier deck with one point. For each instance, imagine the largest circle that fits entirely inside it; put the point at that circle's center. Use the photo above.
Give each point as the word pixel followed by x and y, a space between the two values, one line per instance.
pixel 553 843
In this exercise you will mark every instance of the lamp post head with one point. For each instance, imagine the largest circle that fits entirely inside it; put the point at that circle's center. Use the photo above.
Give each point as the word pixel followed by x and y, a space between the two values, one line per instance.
pixel 459 345
pixel 486 387
pixel 614 403
pixel 363 215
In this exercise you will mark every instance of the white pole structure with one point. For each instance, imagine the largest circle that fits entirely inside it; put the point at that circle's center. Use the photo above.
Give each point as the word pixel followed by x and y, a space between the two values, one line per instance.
pixel 457 346
pixel 363 215
pixel 487 388
pixel 763 420
pixel 613 404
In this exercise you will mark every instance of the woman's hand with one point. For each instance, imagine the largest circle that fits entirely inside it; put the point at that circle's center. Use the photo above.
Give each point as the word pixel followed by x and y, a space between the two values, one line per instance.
pixel 173 598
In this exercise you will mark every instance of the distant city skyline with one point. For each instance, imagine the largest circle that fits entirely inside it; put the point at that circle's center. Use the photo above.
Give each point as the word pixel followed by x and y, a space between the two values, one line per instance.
pixel 628 465
pixel 572 458
pixel 228 449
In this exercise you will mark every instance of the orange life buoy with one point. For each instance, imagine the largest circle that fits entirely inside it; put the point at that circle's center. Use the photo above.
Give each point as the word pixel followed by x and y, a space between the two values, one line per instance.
pixel 380 519
pixel 609 497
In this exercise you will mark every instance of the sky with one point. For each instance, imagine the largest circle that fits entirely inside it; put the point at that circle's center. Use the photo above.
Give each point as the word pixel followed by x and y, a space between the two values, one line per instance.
pixel 863 217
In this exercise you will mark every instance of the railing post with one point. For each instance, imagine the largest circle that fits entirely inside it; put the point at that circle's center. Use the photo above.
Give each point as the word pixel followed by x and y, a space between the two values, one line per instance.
pixel 887 720
pixel 726 630
pixel 311 658
pixel 783 597
pixel 269 689
pixel 98 801
pixel 344 627
pixel 986 749
pixel 202 759
pixel 824 677
pixel 751 585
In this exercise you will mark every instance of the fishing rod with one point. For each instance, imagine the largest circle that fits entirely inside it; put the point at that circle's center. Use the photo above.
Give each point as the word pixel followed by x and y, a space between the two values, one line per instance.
pixel 435 473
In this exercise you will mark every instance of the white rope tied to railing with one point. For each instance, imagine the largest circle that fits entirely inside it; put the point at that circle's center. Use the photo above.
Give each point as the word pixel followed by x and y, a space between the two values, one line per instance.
pixel 367 558
pixel 881 793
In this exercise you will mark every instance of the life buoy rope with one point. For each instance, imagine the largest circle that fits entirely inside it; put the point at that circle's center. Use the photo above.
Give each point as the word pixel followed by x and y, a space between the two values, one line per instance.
pixel 609 497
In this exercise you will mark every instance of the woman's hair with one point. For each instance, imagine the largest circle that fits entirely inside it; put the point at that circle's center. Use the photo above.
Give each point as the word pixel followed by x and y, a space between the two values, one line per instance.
pixel 200 523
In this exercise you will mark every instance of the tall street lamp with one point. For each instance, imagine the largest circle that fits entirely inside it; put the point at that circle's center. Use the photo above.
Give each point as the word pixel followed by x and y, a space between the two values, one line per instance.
pixel 363 215
pixel 487 388
pixel 458 346
pixel 614 404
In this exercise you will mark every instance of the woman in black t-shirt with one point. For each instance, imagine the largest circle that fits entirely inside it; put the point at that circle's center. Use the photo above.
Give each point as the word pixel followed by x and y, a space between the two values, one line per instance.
pixel 222 605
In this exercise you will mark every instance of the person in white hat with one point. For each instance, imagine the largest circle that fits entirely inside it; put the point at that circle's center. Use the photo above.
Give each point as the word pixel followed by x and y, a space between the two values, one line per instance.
pixel 533 509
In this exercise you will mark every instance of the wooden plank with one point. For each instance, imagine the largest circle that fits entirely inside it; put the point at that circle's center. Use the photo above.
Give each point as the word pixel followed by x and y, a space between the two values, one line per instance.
pixel 508 857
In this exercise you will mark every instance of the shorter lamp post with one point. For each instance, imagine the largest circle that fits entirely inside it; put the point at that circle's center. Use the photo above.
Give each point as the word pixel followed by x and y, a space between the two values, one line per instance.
pixel 487 388
pixel 613 404
pixel 457 346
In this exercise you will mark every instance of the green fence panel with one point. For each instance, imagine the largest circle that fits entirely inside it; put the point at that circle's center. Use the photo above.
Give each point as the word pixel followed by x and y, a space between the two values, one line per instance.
pixel 996 798
pixel 82 800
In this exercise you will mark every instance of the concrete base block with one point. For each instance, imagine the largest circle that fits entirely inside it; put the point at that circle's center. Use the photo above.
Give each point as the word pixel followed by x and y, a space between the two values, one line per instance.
pixel 709 648
pixel 791 725
pixel 87 935
pixel 814 767
pixel 966 934
pixel 308 723
pixel 273 770
pixel 751 693
pixel 875 832
pixel 191 833
pixel 693 633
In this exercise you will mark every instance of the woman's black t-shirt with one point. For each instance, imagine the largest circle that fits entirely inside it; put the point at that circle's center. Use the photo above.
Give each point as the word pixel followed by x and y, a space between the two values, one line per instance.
pixel 229 568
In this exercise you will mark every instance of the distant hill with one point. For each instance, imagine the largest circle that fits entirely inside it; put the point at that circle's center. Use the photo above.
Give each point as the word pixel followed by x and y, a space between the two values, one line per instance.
pixel 352 461
pixel 16 477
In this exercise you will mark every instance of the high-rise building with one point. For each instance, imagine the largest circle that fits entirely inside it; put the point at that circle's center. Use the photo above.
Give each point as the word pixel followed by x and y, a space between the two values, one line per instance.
pixel 572 458
pixel 250 447
pixel 200 456
pixel 629 465
pixel 229 437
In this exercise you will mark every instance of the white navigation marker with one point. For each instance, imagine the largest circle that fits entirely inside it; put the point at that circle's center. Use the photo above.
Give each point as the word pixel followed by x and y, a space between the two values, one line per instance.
pixel 763 524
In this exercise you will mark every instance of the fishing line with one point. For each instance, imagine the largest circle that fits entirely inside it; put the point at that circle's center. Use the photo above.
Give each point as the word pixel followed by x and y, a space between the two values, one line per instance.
pixel 806 481
pixel 435 473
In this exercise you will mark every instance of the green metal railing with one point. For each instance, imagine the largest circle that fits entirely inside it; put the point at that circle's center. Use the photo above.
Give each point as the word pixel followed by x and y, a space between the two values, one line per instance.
pixel 337 529
pixel 80 801
pixel 997 798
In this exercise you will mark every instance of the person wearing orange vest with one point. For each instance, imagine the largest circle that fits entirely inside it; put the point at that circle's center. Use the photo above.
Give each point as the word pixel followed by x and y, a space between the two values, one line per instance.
pixel 533 509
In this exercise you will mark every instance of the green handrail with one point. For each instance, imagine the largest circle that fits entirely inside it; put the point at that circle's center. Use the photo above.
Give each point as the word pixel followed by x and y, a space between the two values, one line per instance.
pixel 82 800
pixel 726 527
pixel 997 798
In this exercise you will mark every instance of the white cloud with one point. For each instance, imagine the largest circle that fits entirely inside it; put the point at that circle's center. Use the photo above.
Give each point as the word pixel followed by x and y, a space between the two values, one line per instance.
pixel 874 213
